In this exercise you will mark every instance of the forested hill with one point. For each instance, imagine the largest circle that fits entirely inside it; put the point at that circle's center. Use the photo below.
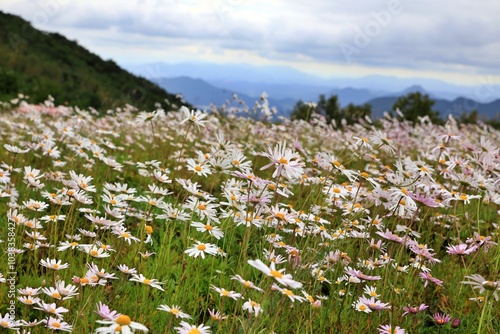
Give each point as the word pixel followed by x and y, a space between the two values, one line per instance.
pixel 38 63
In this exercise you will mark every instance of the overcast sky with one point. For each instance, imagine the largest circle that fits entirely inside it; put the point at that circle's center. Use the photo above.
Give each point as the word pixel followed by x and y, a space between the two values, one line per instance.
pixel 456 41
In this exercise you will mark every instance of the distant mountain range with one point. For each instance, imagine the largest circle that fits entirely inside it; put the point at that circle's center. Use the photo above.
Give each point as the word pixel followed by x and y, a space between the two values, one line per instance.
pixel 455 107
pixel 203 83
pixel 202 94
pixel 244 76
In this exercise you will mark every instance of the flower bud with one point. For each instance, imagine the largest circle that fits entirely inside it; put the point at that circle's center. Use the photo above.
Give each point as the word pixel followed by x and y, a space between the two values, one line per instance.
pixel 455 323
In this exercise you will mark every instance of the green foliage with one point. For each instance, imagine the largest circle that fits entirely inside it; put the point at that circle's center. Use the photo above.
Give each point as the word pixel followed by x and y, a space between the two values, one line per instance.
pixel 331 109
pixel 353 113
pixel 469 118
pixel 415 105
pixel 495 123
pixel 301 110
pixel 8 83
pixel 39 64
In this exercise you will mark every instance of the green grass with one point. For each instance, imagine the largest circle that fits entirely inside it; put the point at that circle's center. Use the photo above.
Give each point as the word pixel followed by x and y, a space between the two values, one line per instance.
pixel 321 223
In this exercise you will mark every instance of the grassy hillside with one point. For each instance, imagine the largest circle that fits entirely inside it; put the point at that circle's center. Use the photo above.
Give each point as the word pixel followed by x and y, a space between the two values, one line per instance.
pixel 37 63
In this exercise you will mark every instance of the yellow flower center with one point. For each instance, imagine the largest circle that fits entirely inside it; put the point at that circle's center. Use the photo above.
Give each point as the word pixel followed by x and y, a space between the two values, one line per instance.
pixel 208 227
pixel 194 331
pixel 489 285
pixel 56 295
pixel 4 324
pixel 280 215
pixel 288 292
pixel 94 252
pixel 84 280
pixel 118 328
pixel 149 229
pixel 55 266
pixel 146 281
pixel 283 161
pixel 52 310
pixel 198 168
pixel 174 311
pixel 123 320
pixel 56 325
pixel 362 307
pixel 201 247
pixel 202 207
pixel 276 274
pixel 126 235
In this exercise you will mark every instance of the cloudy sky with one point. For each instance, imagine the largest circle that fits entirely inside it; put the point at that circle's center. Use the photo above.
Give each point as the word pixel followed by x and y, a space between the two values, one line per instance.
pixel 457 41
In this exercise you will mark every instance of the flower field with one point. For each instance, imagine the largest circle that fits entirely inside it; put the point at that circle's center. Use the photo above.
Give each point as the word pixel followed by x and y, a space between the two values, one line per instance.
pixel 191 222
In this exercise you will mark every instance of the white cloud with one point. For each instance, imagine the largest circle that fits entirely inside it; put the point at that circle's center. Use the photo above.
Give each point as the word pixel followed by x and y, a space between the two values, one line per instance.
pixel 448 36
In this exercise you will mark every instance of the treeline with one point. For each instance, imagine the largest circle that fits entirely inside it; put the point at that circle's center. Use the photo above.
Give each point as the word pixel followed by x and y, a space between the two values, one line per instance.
pixel 39 64
pixel 410 107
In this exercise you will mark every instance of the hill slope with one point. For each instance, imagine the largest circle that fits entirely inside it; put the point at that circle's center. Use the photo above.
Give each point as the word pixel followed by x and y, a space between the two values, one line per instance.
pixel 37 64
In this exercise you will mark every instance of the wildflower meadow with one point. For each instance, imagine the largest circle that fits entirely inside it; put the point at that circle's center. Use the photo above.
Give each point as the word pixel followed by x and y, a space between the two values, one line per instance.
pixel 191 222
